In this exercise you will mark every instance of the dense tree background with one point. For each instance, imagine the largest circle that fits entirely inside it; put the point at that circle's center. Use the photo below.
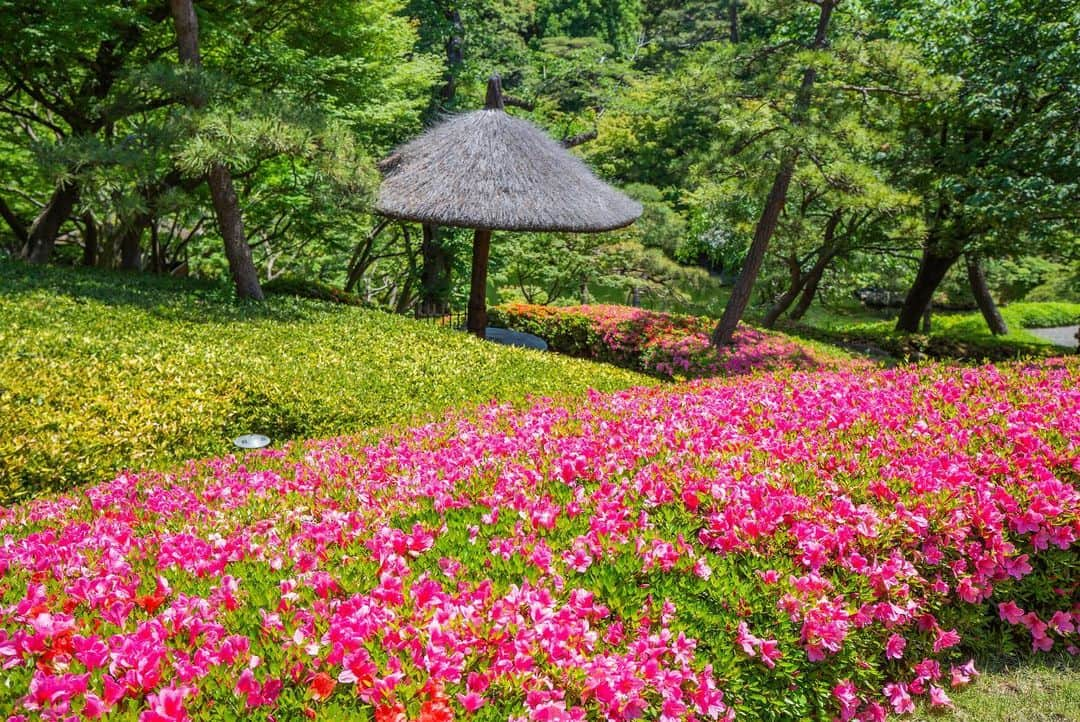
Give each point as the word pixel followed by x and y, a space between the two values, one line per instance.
pixel 800 149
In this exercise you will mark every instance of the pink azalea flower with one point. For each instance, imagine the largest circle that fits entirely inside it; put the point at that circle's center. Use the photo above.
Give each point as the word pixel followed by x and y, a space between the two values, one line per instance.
pixel 471 701
pixel 166 705
pixel 747 641
pixel 894 648
pixel 964 673
pixel 1010 612
pixel 899 698
pixel 945 639
pixel 770 652
pixel 938 698
pixel 847 697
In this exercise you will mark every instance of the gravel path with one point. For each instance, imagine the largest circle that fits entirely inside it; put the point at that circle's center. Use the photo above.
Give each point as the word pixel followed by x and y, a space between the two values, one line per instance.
pixel 1061 335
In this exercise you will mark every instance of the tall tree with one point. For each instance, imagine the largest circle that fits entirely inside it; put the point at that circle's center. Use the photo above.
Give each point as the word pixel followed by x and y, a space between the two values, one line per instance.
pixel 774 203
pixel 61 82
pixel 999 161
pixel 218 177
pixel 983 297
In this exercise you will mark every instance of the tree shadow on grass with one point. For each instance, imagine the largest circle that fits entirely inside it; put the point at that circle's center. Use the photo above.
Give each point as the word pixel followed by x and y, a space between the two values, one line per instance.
pixel 180 299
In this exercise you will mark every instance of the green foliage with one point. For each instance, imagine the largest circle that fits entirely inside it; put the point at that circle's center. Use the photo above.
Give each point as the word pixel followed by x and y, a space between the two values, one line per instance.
pixel 956 336
pixel 316 290
pixel 544 268
pixel 1015 278
pixel 614 21
pixel 997 160
pixel 1063 286
pixel 101 371
pixel 299 98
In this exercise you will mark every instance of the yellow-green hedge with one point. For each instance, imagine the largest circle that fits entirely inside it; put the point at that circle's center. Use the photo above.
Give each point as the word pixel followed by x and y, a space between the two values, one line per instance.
pixel 103 371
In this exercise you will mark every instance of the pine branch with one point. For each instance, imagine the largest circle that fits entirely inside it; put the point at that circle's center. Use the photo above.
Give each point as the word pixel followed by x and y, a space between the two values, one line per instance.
pixel 868 90
pixel 576 140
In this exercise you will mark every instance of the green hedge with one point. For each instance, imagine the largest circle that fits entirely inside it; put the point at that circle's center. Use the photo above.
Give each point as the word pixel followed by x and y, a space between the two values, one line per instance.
pixel 306 288
pixel 103 371
pixel 566 333
pixel 1043 315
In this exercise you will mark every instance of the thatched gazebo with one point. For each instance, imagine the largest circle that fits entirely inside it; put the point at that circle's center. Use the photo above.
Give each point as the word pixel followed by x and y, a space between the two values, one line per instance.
pixel 489 171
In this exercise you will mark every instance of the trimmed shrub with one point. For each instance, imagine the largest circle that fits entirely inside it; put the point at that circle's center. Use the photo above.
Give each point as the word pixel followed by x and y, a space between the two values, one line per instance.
pixel 663 344
pixel 103 371
pixel 315 290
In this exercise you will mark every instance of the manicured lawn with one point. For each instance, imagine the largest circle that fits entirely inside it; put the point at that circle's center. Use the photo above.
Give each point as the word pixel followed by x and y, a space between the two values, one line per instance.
pixel 1029 691
pixel 953 335
pixel 101 371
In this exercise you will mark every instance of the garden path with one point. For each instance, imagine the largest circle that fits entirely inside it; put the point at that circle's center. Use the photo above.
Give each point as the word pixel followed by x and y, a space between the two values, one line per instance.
pixel 1060 335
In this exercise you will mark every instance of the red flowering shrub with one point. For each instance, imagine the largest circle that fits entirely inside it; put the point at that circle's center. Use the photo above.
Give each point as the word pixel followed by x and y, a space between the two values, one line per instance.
pixel 797 545
pixel 664 344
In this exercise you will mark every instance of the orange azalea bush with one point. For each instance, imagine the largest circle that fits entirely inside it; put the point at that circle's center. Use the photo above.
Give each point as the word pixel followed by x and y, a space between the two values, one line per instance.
pixel 663 344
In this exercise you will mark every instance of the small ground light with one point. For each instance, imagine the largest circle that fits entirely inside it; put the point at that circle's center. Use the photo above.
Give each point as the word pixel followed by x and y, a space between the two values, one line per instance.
pixel 251 441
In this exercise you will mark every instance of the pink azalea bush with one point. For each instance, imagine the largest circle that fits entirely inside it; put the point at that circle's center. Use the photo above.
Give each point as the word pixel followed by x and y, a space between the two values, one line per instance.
pixel 802 545
pixel 664 344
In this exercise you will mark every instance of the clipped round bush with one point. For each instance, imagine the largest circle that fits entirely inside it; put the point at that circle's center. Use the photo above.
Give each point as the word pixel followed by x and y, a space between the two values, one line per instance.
pixel 663 344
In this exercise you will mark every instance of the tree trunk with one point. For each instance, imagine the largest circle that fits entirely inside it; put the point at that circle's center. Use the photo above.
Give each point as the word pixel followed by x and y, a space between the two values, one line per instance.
pixel 733 21
pixel 362 255
pixel 808 283
pixel 810 287
pixel 979 287
pixel 231 224
pixel 219 178
pixel 455 55
pixel 90 240
pixel 18 228
pixel 932 269
pixel 744 285
pixel 405 297
pixel 477 320
pixel 774 204
pixel 157 264
pixel 131 245
pixel 42 235
pixel 434 274
pixel 788 297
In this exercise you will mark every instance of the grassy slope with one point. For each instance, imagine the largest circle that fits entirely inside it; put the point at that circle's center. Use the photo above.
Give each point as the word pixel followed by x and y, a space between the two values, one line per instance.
pixel 1019 317
pixel 953 335
pixel 89 358
pixel 102 371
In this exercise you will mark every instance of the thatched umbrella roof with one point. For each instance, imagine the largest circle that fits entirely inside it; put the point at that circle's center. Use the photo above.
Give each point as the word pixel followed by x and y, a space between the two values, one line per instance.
pixel 487 169
pixel 490 172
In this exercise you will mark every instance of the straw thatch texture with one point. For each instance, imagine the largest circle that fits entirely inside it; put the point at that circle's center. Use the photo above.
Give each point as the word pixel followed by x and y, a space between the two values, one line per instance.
pixel 487 169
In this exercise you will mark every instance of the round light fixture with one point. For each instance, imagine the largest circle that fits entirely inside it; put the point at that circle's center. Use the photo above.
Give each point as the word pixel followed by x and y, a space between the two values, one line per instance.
pixel 251 441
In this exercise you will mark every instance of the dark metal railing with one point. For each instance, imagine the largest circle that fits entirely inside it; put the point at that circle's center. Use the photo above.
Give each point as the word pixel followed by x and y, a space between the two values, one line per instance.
pixel 453 319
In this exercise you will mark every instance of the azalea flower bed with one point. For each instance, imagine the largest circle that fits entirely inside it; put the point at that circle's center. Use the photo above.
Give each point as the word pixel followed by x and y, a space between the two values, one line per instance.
pixel 663 344
pixel 784 546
